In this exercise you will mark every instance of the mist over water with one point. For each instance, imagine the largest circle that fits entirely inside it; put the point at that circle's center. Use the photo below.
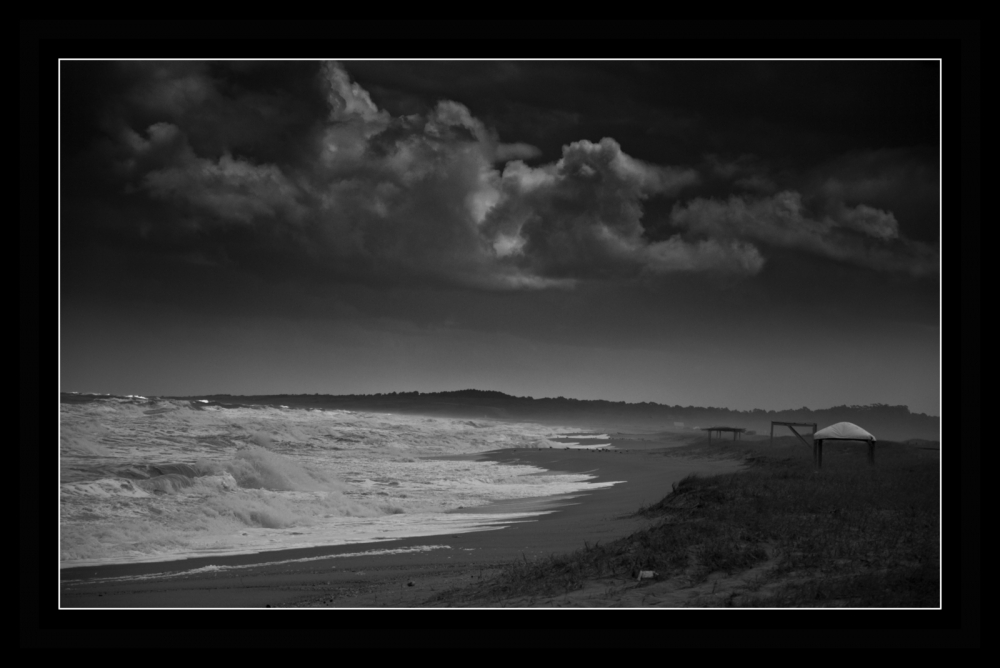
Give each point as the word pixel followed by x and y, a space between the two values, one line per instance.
pixel 149 479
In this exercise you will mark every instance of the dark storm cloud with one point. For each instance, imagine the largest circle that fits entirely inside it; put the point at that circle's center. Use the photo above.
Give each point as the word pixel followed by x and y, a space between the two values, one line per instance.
pixel 745 172
pixel 901 180
pixel 874 208
pixel 228 190
pixel 310 174
pixel 581 217
pixel 859 235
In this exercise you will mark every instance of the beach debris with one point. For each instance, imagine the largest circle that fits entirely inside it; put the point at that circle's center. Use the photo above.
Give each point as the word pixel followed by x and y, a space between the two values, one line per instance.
pixel 646 575
pixel 411 583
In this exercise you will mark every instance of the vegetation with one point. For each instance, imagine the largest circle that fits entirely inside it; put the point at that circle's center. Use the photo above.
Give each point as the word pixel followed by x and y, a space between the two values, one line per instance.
pixel 848 535
pixel 885 421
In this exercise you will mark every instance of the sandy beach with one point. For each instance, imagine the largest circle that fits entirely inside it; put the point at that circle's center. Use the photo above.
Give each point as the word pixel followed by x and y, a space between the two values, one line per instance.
pixel 409 572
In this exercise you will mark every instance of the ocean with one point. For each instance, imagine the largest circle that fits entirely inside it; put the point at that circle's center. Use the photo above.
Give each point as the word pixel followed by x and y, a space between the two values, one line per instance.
pixel 146 479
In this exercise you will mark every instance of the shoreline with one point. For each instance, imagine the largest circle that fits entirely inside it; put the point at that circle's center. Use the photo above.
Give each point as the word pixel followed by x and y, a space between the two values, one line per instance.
pixel 342 576
pixel 756 526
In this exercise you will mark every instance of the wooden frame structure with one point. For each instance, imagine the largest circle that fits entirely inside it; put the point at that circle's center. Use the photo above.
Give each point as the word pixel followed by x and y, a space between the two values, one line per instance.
pixel 792 426
pixel 817 451
pixel 737 431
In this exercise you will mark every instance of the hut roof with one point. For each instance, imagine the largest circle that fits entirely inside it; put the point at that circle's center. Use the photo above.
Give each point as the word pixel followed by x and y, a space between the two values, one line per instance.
pixel 844 431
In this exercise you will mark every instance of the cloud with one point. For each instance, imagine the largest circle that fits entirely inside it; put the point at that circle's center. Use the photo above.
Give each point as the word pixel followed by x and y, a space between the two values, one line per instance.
pixel 436 197
pixel 747 172
pixel 581 218
pixel 860 235
pixel 517 151
pixel 227 189
pixel 870 175
pixel 168 87
pixel 904 181
pixel 347 100
pixel 853 201
pixel 756 182
pixel 730 256
pixel 873 222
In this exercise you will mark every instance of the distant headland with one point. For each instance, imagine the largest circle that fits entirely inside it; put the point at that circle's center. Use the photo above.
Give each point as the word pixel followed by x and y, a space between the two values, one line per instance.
pixel 885 421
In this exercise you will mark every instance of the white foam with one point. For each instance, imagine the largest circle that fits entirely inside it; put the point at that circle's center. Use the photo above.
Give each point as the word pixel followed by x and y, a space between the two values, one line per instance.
pixel 214 568
pixel 105 488
pixel 265 478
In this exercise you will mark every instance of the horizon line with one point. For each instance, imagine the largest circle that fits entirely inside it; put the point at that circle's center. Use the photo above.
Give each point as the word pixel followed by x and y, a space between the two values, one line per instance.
pixel 499 392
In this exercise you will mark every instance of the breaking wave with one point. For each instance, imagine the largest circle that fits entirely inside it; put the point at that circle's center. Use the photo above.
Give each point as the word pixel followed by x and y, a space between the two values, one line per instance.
pixel 148 479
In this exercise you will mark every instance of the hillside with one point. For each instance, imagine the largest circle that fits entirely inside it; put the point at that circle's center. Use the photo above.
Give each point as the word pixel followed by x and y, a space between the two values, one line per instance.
pixel 886 422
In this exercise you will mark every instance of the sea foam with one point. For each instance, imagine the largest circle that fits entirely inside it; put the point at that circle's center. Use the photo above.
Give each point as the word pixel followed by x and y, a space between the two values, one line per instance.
pixel 147 480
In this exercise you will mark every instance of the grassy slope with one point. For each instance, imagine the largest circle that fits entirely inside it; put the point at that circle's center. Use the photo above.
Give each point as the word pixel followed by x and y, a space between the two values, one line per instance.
pixel 848 535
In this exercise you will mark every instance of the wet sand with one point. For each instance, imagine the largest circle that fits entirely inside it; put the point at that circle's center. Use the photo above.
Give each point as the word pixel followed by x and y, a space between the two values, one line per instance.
pixel 410 578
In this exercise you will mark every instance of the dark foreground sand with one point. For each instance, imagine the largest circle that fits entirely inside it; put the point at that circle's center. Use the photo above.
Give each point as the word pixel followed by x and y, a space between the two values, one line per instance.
pixel 405 580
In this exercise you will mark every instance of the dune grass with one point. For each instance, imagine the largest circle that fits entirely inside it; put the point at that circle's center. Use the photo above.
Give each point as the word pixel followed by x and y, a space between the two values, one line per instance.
pixel 849 534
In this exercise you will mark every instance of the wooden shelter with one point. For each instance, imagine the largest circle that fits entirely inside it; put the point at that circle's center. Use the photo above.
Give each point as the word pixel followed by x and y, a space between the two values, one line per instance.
pixel 737 431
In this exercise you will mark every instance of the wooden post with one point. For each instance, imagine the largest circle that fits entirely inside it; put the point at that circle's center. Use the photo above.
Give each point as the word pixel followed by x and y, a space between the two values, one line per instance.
pixel 820 460
pixel 798 435
pixel 772 434
pixel 871 452
pixel 815 446
pixel 710 437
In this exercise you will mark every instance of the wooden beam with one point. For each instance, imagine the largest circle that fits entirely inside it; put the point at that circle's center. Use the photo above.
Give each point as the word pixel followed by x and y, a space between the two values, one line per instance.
pixel 798 434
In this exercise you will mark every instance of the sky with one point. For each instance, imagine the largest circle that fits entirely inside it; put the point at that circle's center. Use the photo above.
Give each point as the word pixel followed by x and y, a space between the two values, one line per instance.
pixel 741 234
